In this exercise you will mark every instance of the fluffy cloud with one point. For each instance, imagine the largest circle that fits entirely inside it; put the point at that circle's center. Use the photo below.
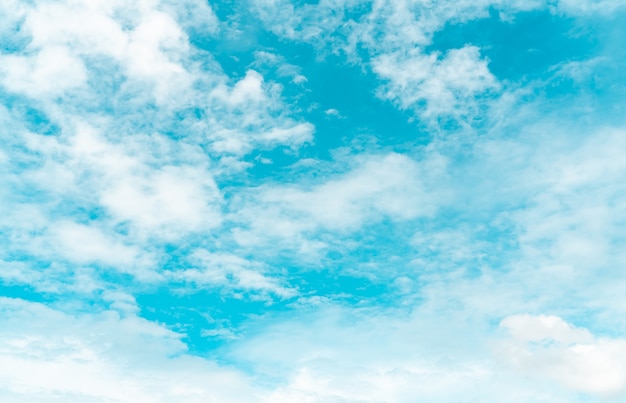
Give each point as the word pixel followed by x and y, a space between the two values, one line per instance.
pixel 436 86
pixel 48 73
pixel 547 346
pixel 65 36
pixel 47 355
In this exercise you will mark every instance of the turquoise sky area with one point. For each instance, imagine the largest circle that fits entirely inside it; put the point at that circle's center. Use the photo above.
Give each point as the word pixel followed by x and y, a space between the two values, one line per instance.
pixel 312 201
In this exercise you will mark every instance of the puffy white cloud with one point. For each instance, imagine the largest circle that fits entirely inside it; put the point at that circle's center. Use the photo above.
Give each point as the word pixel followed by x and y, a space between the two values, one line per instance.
pixel 527 328
pixel 253 100
pixel 86 27
pixel 148 46
pixel 165 200
pixel 435 86
pixel 248 89
pixel 48 73
pixel 168 202
pixel 85 244
pixel 547 346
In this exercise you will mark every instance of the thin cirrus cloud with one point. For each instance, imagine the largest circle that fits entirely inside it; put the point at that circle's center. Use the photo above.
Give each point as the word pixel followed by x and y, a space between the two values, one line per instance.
pixel 185 215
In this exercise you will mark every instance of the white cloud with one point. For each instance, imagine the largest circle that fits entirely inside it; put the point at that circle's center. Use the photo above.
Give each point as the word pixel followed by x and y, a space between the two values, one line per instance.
pixel 247 90
pixel 138 55
pixel 166 203
pixel 541 228
pixel 147 45
pixel 88 27
pixel 390 38
pixel 542 328
pixel 85 244
pixel 231 271
pixel 447 86
pixel 388 186
pixel 194 15
pixel 165 199
pixel 372 355
pixel 153 49
pixel 381 26
pixel 331 112
pixel 394 35
pixel 47 355
pixel 547 346
pixel 295 135
pixel 259 99
pixel 48 73
pixel 121 302
pixel 579 71
pixel 264 59
pixel 573 218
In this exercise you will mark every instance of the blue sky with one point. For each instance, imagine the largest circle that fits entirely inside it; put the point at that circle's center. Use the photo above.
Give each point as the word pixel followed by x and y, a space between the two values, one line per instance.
pixel 312 201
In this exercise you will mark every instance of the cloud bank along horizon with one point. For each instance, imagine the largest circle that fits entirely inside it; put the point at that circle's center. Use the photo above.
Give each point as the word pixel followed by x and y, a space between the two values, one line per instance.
pixel 312 201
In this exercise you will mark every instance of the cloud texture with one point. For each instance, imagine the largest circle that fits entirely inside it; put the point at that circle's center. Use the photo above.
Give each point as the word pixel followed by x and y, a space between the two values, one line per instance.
pixel 333 201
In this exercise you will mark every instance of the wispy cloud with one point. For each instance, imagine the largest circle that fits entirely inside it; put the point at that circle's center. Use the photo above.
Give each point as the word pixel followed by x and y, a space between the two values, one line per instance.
pixel 104 357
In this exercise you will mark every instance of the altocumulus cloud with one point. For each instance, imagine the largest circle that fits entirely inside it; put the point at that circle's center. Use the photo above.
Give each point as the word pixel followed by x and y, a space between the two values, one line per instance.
pixel 333 201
